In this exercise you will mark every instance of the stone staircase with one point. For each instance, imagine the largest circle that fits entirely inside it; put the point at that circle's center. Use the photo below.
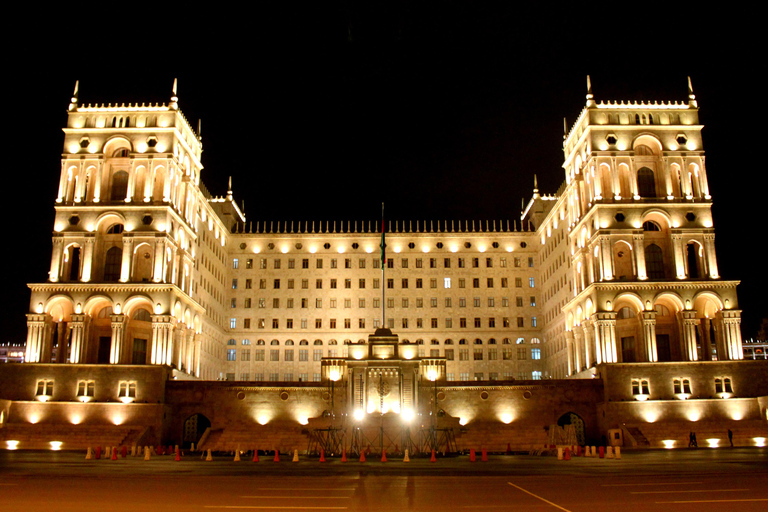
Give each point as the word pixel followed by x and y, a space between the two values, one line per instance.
pixel 72 437
pixel 285 438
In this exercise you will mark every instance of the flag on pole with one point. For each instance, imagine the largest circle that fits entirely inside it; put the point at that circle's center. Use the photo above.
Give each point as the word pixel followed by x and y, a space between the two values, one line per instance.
pixel 383 245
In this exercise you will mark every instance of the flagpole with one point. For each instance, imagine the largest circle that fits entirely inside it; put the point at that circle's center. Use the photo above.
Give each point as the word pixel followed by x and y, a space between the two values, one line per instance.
pixel 383 265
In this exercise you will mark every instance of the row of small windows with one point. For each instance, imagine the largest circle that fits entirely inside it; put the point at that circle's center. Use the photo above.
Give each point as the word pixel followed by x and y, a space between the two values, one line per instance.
pixel 405 323
pixel 478 354
pixel 390 262
pixel 85 389
pixel 680 386
pixel 405 302
pixel 419 341
pixel 376 284
pixel 450 376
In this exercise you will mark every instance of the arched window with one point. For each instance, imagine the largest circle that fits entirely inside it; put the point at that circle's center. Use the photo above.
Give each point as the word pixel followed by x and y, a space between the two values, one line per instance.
pixel 318 342
pixel 434 342
pixel 289 342
pixel 142 315
pixel 260 342
pixel 333 342
pixel 112 264
pixel 274 342
pixel 492 341
pixel 478 341
pixel 625 313
pixel 646 183
pixel 654 262
pixel 449 341
pixel 303 342
pixel 650 225
pixel 462 341
pixel 115 229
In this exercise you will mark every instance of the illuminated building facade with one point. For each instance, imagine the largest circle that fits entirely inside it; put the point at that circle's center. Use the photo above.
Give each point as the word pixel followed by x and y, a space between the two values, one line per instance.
pixel 614 273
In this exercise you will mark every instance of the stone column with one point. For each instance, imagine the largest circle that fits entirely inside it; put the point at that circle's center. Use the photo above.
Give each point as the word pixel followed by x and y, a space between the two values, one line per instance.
pixel 58 250
pixel 598 183
pixel 690 322
pixel 63 182
pixel 125 269
pixel 118 332
pixel 570 350
pixel 97 181
pixel 605 327
pixel 667 177
pixel 578 337
pixel 606 256
pixel 679 257
pixel 639 250
pixel 157 271
pixel 36 337
pixel 709 251
pixel 649 336
pixel 76 336
pixel 633 179
pixel 731 327
pixel 162 328
pixel 703 180
pixel 88 243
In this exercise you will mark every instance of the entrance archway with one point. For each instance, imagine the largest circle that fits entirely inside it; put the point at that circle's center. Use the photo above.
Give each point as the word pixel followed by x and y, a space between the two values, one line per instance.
pixel 571 418
pixel 194 428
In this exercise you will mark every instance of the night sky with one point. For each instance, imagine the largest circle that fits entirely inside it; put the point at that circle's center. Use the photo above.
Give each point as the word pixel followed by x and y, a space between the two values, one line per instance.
pixel 443 113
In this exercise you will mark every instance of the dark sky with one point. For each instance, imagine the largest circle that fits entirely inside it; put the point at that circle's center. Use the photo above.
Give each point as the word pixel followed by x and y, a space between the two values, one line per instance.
pixel 442 112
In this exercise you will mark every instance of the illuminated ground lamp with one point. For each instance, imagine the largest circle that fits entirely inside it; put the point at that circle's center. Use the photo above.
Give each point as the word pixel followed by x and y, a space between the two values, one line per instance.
pixel 359 414
pixel 669 443
pixel 408 415
pixel 55 445
pixel 713 442
pixel 506 418
pixel 759 441
pixel 11 445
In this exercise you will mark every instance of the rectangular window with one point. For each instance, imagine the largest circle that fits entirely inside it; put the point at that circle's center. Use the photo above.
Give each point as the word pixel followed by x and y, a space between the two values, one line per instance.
pixel 263 263
pixel 290 284
pixel 419 303
pixel 461 262
pixel 419 323
pixel 262 284
pixel 275 303
pixel 404 283
pixel 390 283
pixel 419 263
pixel 347 303
pixel 376 262
pixel 234 284
pixel 491 322
pixel 449 354
pixel 233 303
pixel 518 282
pixel 505 322
pixel 347 284
pixel 520 321
pixel 361 303
pixel 491 302
pixel 274 354
pixel 433 302
pixel 334 263
pixel 478 354
pixel 262 303
pixel 318 323
pixel 489 282
pixel 489 262
pixel 376 284
pixel 475 282
pixel 245 355
pixel 347 263
pixel 288 354
pixel 478 323
pixel 419 283
pixel 376 303
pixel 305 263
pixel 432 262
pixel 289 303
pixel 262 323
pixel 246 323
pixel 249 263
pixel 433 283
pixel 361 323
pixel 304 303
pixel 476 302
pixel 303 323
pixel 317 354
pixel 277 264
pixel 405 323
pixel 533 301
pixel 531 282
pixel 347 323
pixel 319 263
pixel 303 354
pixel 361 283
pixel 519 302
pixel 448 302
pixel 405 302
pixel 434 323
pixel 390 303
pixel 506 354
pixel 522 353
pixel 535 353
pixel 447 262
pixel 233 323
pixel 258 354
pixel 318 283
pixel 404 262
pixel 291 263
pixel 361 263
pixel 277 284
pixel 449 323
pixel 503 262
pixel 505 302
pixel 492 354
pixel 462 323
pixel 275 323
pixel 333 284
pixel 446 282
pixel 332 304
pixel 475 262
pixel 530 261
pixel 462 302
pixel 305 284
pixel 289 323
pixel 231 354
pixel 463 354
pixel 248 284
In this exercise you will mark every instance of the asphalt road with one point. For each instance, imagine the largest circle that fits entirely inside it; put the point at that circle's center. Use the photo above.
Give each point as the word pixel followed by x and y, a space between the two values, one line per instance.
pixel 696 480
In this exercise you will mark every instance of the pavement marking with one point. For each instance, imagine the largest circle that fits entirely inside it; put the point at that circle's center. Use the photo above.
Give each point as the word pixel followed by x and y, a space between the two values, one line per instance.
pixel 694 490
pixel 289 507
pixel 650 483
pixel 300 497
pixel 293 489
pixel 539 497
pixel 715 501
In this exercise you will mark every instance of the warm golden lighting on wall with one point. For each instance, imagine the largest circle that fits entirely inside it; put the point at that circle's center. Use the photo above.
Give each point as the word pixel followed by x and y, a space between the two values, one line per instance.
pixel 463 421
pixel 284 249
pixel 713 442
pixel 669 443
pixel 312 249
pixel 359 414
pixel 759 441
pixel 693 414
pixel 651 415
pixel 408 415
pixel 425 249
pixel 117 419
pixel 11 445
pixel 33 418
pixel 341 250
pixel 263 419
pixel 481 248
pixel 397 249
pixel 454 248
pixel 55 445
pixel 506 418
pixel 369 249
pixel 303 420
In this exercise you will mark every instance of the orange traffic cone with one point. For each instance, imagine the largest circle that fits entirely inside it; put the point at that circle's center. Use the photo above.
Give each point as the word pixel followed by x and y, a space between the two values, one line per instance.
pixel 484 456
pixel 322 455
pixel 509 449
pixel 567 455
pixel 362 456
pixel 114 453
pixel 384 456
pixel 124 451
pixel 472 457
pixel 255 455
pixel 343 455
pixel 433 458
pixel 178 454
pixel 277 456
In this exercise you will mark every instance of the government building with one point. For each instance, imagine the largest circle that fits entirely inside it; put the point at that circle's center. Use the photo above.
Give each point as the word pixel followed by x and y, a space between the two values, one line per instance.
pixel 170 317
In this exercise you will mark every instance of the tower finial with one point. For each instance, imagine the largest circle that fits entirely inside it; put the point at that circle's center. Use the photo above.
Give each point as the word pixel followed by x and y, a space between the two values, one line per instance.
pixel 73 101
pixel 174 105
pixel 590 97
pixel 229 188
pixel 565 128
pixel 535 186
pixel 691 97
